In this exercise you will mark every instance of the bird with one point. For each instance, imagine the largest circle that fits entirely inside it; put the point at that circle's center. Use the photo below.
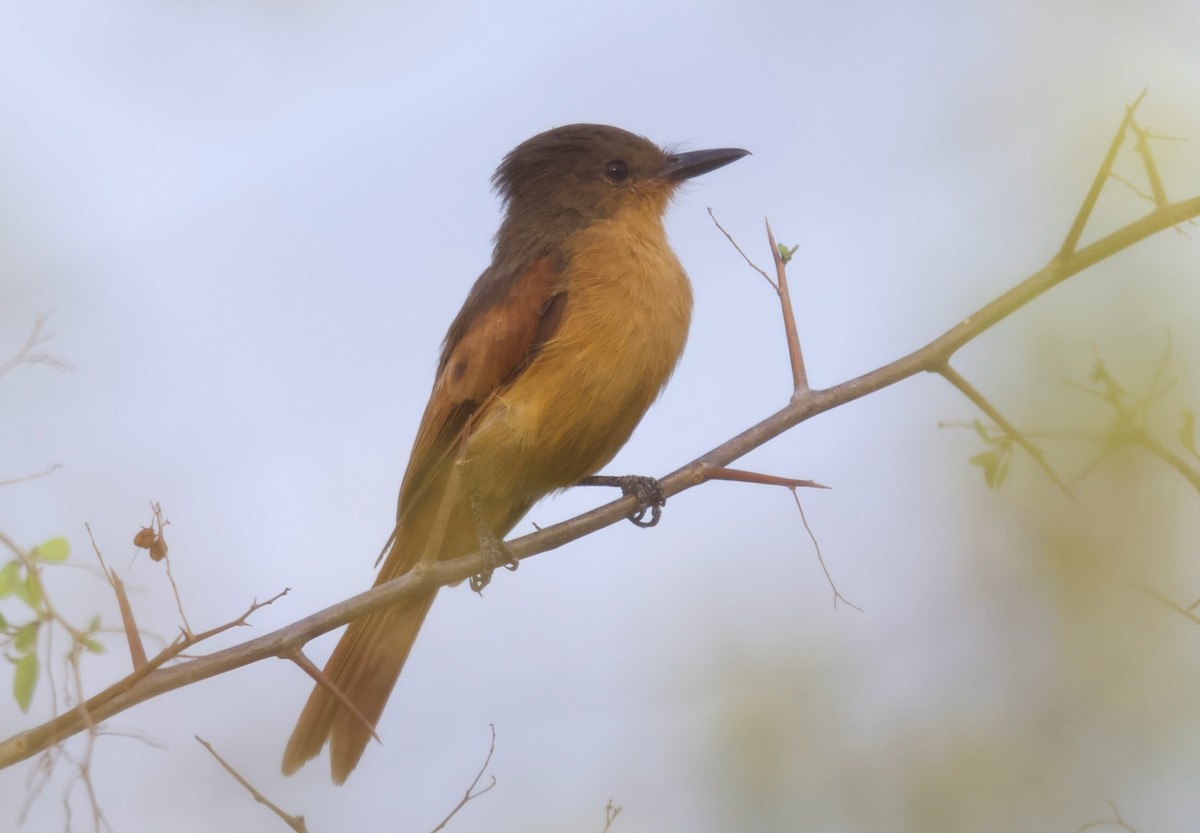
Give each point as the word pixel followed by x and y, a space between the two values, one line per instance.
pixel 561 346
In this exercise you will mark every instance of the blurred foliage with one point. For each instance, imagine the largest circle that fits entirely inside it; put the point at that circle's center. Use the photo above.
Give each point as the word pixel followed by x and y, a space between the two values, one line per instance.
pixel 21 586
pixel 1047 681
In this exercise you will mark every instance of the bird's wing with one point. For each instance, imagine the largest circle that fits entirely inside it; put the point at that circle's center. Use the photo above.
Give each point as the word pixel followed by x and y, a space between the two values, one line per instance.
pixel 508 316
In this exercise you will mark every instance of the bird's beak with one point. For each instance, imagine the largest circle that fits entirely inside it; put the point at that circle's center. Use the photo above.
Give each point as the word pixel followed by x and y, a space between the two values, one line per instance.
pixel 681 166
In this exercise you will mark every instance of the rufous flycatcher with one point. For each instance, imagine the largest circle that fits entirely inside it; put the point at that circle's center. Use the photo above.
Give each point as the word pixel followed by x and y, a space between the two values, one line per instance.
pixel 561 346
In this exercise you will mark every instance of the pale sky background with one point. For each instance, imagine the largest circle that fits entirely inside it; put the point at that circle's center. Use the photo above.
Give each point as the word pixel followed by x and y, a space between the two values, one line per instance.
pixel 251 224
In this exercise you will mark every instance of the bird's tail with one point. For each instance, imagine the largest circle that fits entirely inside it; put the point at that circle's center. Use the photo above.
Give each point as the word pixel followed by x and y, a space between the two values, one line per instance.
pixel 364 666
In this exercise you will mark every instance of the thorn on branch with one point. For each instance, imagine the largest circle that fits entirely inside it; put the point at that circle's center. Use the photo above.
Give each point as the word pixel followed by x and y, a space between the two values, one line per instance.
pixel 310 668
pixel 799 373
pixel 781 255
pixel 741 476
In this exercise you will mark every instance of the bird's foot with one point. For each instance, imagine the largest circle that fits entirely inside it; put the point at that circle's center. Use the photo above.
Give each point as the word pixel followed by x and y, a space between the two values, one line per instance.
pixel 646 490
pixel 493 549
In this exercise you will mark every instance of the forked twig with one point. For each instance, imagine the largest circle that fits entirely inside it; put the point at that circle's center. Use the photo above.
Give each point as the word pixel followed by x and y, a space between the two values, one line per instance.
pixel 471 794
pixel 1085 211
pixel 837 594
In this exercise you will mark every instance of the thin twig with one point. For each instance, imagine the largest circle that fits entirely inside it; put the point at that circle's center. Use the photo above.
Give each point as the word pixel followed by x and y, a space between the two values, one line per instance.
pixel 1085 211
pixel 1167 456
pixel 187 628
pixel 1147 197
pixel 745 257
pixel 1117 821
pixel 294 822
pixel 967 389
pixel 1188 612
pixel 837 594
pixel 34 476
pixel 1142 146
pixel 470 793
pixel 611 811
pixel 26 353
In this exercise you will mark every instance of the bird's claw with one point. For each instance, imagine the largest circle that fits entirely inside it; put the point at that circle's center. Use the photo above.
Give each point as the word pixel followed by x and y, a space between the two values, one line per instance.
pixel 493 549
pixel 649 495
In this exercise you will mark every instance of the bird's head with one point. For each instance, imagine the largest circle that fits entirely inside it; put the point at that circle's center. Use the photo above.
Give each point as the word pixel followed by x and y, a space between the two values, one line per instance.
pixel 568 177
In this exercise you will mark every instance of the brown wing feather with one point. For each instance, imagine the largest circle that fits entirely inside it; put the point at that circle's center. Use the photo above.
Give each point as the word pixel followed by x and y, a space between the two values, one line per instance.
pixel 504 322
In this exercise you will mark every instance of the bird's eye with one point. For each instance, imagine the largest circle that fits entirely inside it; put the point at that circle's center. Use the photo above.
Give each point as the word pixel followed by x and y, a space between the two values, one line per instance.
pixel 616 171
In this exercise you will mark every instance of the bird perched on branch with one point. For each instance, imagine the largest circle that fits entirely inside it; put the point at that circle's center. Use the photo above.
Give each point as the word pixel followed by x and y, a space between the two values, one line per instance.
pixel 561 346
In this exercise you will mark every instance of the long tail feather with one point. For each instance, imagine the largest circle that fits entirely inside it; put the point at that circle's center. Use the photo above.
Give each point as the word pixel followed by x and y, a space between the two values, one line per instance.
pixel 364 666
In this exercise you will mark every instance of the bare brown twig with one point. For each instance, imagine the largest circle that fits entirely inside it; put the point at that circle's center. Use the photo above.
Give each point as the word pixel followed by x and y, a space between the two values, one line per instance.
pixel 471 793
pixel 1116 821
pixel 611 811
pixel 837 594
pixel 23 478
pixel 294 822
pixel 968 390
pixel 28 353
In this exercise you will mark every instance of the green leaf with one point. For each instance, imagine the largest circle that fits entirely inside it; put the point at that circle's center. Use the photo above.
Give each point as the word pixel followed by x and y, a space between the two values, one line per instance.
pixel 986 459
pixel 26 638
pixel 56 549
pixel 1187 433
pixel 93 646
pixel 1001 471
pixel 10 578
pixel 25 680
pixel 994 465
pixel 30 591
pixel 94 625
pixel 981 431
pixel 785 253
pixel 3 622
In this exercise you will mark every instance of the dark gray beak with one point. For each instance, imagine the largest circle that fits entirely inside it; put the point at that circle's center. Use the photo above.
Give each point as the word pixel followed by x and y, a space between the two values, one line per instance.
pixel 681 166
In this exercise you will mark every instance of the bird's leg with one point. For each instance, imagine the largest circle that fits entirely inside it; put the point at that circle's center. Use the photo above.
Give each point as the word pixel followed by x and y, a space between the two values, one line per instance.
pixel 493 548
pixel 646 490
